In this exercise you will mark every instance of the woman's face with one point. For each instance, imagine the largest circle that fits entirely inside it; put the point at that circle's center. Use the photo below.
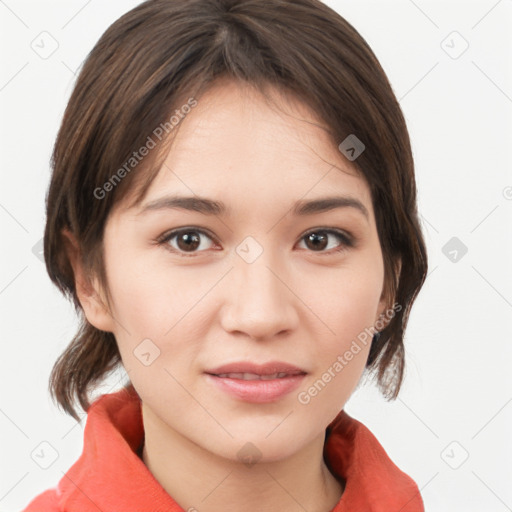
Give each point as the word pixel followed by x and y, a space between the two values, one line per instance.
pixel 262 280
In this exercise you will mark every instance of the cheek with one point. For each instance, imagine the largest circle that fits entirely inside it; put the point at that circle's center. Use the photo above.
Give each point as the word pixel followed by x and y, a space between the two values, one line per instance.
pixel 341 354
pixel 156 312
pixel 142 309
pixel 348 306
pixel 146 296
pixel 349 302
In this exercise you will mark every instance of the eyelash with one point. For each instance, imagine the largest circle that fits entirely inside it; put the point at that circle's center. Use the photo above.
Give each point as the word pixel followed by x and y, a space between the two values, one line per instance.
pixel 347 241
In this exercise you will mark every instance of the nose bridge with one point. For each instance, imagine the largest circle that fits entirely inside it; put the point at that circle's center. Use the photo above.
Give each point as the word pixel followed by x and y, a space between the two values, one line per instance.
pixel 259 303
pixel 256 263
pixel 259 279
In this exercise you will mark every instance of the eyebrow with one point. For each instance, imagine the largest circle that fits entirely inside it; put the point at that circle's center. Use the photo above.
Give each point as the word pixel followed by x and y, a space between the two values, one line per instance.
pixel 207 206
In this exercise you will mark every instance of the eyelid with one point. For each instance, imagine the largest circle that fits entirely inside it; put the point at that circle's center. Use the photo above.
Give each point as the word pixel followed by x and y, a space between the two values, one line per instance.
pixel 173 232
pixel 324 229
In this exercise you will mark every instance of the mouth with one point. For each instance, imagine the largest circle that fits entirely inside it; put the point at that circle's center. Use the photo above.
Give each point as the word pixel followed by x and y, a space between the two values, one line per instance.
pixel 254 376
pixel 254 383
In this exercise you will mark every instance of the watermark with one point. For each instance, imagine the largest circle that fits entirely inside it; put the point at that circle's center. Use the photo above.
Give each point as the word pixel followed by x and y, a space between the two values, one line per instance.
pixel 304 397
pixel 351 147
pixel 146 352
pixel 44 454
pixel 455 455
pixel 454 45
pixel 249 454
pixel 137 156
pixel 454 249
pixel 44 45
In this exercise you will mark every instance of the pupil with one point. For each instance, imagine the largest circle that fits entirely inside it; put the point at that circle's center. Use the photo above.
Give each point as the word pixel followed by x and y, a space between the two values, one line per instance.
pixel 191 241
pixel 315 238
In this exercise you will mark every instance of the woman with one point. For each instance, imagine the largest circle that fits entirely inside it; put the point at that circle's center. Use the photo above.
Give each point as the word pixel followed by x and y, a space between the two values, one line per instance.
pixel 233 212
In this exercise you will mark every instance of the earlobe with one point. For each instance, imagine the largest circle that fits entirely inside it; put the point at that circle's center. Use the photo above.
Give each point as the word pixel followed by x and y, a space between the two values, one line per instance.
pixel 88 291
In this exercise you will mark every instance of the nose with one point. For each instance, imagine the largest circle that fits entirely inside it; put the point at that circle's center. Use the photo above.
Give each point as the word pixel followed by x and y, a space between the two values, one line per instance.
pixel 259 301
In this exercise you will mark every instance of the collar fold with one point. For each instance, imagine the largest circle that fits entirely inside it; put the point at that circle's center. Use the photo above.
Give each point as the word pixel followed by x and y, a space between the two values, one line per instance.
pixel 109 475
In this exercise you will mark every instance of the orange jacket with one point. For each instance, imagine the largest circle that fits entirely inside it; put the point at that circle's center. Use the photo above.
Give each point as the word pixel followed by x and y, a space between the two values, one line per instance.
pixel 109 476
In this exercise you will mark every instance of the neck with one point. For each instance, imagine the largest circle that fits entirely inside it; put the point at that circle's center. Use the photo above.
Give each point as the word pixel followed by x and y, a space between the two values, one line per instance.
pixel 199 480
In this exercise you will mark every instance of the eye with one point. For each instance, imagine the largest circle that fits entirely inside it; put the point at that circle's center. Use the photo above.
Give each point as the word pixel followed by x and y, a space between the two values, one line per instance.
pixel 188 240
pixel 318 240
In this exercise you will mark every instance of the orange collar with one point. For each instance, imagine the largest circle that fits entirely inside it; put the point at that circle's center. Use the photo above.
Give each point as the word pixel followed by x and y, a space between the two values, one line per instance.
pixel 109 475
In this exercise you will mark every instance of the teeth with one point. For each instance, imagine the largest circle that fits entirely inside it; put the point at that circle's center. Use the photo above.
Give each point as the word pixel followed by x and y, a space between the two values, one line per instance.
pixel 252 376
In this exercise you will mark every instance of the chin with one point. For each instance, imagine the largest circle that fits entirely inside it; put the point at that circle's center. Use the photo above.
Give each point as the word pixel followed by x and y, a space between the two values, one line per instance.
pixel 260 445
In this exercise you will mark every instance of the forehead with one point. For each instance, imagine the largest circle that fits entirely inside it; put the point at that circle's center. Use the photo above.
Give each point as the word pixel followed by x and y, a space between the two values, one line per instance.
pixel 245 149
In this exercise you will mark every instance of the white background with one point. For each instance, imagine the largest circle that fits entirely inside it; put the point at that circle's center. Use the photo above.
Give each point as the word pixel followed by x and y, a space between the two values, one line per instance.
pixel 456 400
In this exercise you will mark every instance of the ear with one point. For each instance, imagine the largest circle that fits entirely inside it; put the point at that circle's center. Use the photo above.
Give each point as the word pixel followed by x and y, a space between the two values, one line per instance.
pixel 386 303
pixel 88 290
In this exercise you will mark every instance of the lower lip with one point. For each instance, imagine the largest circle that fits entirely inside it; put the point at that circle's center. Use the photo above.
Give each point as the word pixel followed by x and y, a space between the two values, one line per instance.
pixel 258 391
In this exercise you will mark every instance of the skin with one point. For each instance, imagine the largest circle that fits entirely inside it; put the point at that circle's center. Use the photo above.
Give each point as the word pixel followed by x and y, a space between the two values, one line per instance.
pixel 297 302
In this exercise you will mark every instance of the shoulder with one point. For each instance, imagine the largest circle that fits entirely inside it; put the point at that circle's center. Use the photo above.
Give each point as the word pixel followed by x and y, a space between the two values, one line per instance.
pixel 373 481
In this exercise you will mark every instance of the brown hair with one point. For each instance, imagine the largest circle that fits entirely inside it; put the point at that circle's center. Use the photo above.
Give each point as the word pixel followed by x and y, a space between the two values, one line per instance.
pixel 162 52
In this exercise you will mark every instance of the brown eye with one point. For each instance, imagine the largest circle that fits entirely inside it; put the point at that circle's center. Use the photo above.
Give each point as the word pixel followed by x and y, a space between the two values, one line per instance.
pixel 318 240
pixel 188 241
pixel 185 240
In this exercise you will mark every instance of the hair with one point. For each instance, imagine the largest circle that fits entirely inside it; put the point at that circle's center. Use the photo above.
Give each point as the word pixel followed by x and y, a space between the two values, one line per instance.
pixel 145 66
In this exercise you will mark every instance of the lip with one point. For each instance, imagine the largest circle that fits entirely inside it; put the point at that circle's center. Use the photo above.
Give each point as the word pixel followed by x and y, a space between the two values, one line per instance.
pixel 257 391
pixel 259 369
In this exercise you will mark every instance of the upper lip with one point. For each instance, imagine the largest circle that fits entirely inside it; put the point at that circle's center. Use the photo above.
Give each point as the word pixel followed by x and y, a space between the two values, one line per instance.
pixel 259 369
